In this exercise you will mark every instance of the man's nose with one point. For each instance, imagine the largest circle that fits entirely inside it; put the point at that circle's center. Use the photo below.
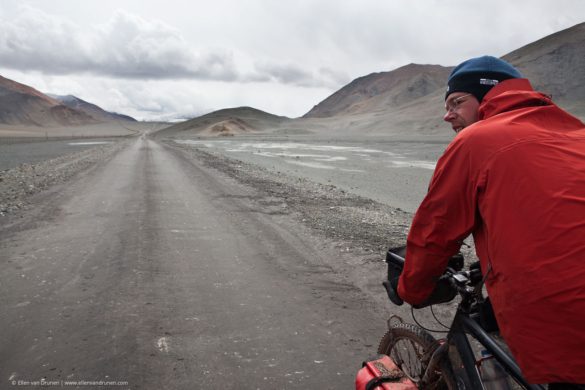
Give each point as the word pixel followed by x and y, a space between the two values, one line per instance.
pixel 449 116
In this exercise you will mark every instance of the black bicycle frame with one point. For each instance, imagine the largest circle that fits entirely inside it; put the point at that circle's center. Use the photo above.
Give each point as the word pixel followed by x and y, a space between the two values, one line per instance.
pixel 462 325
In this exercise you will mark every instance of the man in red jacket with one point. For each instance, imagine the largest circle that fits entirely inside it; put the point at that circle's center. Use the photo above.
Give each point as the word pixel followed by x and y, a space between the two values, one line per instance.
pixel 514 177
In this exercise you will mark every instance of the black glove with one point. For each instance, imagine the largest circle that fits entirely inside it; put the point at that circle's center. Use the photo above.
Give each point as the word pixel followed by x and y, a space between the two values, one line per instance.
pixel 443 292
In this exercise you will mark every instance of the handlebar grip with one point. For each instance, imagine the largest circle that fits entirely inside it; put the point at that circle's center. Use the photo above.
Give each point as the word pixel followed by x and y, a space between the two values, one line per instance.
pixel 392 294
pixel 395 262
pixel 395 256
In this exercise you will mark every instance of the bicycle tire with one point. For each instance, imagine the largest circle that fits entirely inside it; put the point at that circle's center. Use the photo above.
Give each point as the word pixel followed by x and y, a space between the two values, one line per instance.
pixel 406 344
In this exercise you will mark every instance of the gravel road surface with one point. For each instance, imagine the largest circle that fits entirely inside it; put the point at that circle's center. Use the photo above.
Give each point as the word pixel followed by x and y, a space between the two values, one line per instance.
pixel 157 265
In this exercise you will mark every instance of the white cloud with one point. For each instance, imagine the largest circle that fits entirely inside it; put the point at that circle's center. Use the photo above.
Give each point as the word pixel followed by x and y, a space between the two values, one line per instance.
pixel 127 46
pixel 32 40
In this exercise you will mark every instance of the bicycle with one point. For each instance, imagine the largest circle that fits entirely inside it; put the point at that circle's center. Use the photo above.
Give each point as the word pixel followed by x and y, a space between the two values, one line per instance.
pixel 449 363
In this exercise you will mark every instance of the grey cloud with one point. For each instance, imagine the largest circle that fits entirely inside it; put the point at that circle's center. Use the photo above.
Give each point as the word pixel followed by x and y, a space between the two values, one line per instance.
pixel 284 73
pixel 130 47
pixel 333 78
pixel 126 47
pixel 34 41
pixel 295 75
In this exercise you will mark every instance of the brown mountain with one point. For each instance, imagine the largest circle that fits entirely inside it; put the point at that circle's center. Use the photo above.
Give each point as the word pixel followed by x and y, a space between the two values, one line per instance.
pixel 23 105
pixel 383 91
pixel 554 65
pixel 226 122
pixel 91 109
pixel 409 100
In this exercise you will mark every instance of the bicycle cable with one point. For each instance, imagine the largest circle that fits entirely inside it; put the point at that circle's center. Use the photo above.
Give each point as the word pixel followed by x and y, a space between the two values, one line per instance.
pixel 436 319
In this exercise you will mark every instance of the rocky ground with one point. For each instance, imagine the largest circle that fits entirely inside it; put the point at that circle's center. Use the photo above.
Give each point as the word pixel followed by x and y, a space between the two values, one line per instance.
pixel 329 211
pixel 356 230
pixel 359 229
pixel 357 224
pixel 17 185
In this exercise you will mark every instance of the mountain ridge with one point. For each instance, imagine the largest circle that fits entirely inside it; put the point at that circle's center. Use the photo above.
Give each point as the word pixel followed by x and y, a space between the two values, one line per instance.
pixel 382 90
pixel 554 65
pixel 91 109
pixel 21 104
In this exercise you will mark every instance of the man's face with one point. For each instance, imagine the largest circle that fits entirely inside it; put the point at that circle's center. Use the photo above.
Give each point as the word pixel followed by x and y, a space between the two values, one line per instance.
pixel 462 110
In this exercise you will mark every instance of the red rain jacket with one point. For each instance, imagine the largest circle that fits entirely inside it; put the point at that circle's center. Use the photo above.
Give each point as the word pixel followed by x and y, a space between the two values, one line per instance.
pixel 516 181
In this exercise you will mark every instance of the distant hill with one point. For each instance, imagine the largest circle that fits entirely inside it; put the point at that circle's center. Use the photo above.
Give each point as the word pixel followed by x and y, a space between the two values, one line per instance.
pixel 555 65
pixel 23 105
pixel 91 109
pixel 383 91
pixel 226 122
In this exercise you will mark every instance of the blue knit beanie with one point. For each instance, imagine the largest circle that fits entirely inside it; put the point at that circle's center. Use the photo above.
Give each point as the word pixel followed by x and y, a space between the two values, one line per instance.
pixel 478 75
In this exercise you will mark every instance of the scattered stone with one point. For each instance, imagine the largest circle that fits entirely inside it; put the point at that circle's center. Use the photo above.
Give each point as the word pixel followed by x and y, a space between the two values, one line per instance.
pixel 18 184
pixel 336 214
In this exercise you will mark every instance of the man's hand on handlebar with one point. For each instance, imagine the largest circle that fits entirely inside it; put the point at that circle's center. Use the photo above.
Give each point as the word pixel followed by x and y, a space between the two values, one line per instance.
pixel 444 290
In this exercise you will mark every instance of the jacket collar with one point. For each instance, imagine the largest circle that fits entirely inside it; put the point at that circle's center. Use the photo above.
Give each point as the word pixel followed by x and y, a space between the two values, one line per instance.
pixel 510 95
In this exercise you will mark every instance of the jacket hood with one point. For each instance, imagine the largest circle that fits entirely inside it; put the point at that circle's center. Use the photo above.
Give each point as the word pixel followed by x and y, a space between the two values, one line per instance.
pixel 511 95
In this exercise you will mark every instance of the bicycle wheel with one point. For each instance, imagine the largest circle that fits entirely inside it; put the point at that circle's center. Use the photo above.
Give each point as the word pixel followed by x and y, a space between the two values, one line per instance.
pixel 406 344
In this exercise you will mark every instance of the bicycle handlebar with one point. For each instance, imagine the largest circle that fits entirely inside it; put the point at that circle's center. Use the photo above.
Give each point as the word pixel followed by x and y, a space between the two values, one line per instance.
pixel 395 265
pixel 458 280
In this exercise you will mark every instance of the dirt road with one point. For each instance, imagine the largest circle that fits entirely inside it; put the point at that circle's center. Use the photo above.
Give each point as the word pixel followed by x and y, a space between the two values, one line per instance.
pixel 154 271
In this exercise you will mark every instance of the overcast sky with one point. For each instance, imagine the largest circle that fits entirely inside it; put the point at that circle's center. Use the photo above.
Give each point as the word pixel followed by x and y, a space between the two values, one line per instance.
pixel 173 59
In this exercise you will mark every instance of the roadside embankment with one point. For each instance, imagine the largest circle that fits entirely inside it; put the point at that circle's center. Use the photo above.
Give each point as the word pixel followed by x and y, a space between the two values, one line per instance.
pixel 331 211
pixel 19 183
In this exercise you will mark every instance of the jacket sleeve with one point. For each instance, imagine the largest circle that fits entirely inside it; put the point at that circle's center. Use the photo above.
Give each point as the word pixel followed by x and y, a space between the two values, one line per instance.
pixel 444 219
